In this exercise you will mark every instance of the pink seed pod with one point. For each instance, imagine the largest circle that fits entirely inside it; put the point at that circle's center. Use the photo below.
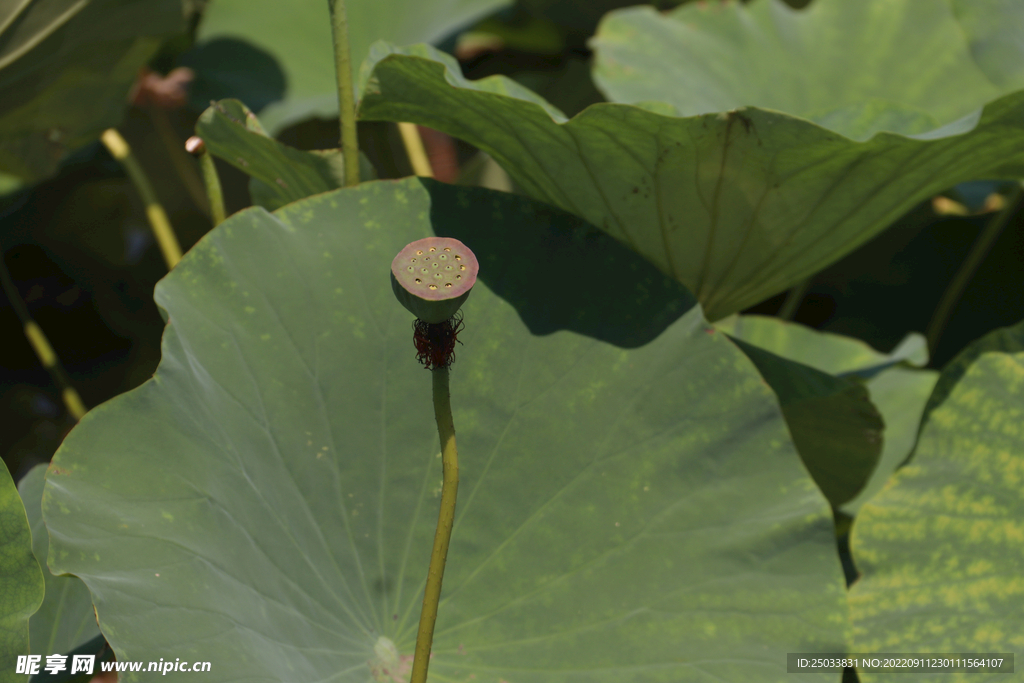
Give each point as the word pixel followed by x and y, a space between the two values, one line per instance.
pixel 432 277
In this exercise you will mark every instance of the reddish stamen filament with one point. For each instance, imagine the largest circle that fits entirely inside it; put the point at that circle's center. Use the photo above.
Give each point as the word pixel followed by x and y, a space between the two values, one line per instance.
pixel 435 342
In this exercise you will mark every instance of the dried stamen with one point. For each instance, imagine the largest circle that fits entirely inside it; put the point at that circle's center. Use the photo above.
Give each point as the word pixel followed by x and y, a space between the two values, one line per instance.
pixel 435 342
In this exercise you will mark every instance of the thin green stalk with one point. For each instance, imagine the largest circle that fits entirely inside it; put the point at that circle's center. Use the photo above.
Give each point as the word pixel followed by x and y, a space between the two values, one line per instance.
pixel 47 356
pixel 793 300
pixel 417 154
pixel 197 148
pixel 213 191
pixel 158 220
pixel 346 92
pixel 179 161
pixel 445 519
pixel 979 250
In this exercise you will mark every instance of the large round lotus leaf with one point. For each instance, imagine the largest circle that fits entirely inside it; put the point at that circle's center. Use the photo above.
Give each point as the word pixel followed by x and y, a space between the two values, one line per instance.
pixel 21 583
pixel 66 618
pixel 297 34
pixel 267 501
pixel 902 66
pixel 941 547
pixel 737 207
pixel 66 68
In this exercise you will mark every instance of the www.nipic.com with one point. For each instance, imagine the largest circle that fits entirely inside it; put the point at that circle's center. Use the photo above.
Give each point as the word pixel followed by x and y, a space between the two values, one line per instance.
pixel 31 664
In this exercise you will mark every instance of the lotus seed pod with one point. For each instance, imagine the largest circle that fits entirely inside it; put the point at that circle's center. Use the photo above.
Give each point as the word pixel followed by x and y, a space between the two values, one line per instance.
pixel 432 277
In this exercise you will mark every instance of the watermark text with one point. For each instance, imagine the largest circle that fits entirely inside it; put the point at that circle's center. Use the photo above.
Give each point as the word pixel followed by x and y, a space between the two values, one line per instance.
pixel 86 664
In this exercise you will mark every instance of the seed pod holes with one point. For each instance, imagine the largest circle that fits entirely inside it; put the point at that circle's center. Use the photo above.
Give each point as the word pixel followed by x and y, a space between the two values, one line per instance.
pixel 432 277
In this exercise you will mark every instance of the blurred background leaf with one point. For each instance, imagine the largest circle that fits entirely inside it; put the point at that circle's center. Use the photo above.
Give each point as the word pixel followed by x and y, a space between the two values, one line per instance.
pixel 993 29
pixel 66 70
pixel 902 66
pixel 296 35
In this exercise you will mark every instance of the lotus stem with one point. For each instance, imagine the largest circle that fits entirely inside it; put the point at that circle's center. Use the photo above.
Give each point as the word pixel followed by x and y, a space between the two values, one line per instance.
pixel 346 92
pixel 158 220
pixel 793 299
pixel 414 149
pixel 186 172
pixel 979 250
pixel 445 520
pixel 47 356
pixel 197 148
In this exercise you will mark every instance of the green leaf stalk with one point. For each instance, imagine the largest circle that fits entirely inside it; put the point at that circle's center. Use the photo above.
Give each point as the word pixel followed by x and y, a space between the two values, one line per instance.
pixel 41 346
pixel 346 92
pixel 197 148
pixel 445 520
pixel 162 230
pixel 979 250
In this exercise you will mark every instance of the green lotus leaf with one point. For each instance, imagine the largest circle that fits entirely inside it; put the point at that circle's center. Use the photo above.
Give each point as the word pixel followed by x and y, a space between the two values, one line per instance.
pixel 66 618
pixel 297 35
pixel 897 392
pixel 1004 340
pixel 21 582
pixel 833 353
pixel 993 29
pixel 9 184
pixel 66 69
pixel 580 15
pixel 941 546
pixel 835 427
pixel 856 68
pixel 628 311
pixel 900 394
pixel 278 174
pixel 267 502
pixel 737 207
